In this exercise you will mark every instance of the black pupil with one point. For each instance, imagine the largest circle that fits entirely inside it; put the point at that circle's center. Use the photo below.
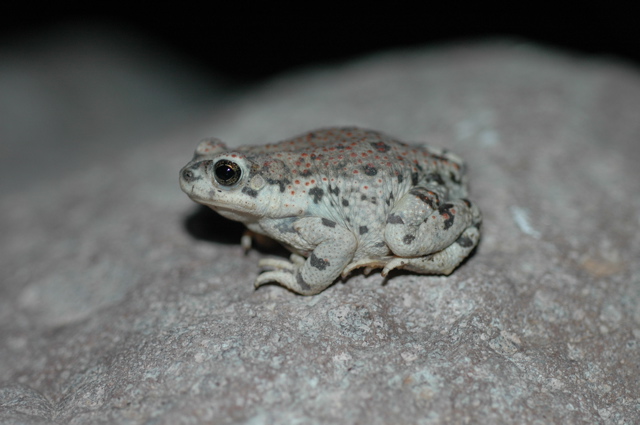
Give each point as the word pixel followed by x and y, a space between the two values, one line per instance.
pixel 227 172
pixel 224 172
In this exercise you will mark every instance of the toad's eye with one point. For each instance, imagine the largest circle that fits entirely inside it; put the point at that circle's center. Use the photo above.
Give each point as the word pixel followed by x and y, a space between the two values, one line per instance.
pixel 226 172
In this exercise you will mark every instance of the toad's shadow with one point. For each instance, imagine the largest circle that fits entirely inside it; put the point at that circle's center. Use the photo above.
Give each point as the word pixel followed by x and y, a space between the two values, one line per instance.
pixel 207 225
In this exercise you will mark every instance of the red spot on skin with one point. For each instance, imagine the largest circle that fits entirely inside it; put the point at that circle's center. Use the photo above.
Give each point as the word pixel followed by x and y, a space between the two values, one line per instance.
pixel 234 156
pixel 365 187
pixel 307 165
pixel 324 179
pixel 453 211
pixel 445 216
pixel 292 192
pixel 305 154
pixel 364 154
pixel 297 181
pixel 353 154
pixel 354 171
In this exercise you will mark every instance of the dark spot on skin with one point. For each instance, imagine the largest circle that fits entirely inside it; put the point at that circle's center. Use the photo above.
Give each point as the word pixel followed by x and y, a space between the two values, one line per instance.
pixel 446 210
pixel 285 227
pixel 281 183
pixel 303 285
pixel 363 197
pixel 467 202
pixel 428 197
pixel 370 170
pixel 334 190
pixel 345 203
pixel 318 263
pixel 455 177
pixel 363 230
pixel 317 194
pixel 389 199
pixel 435 178
pixel 414 179
pixel 339 147
pixel 464 242
pixel 380 244
pixel 407 239
pixel 247 190
pixel 394 219
pixel 381 147
pixel 328 223
pixel 400 178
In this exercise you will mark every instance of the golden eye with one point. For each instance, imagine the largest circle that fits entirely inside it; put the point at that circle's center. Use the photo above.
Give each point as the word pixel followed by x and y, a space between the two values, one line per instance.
pixel 227 172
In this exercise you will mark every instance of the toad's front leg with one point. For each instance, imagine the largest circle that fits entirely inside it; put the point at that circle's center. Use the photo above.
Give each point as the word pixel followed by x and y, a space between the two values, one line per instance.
pixel 332 246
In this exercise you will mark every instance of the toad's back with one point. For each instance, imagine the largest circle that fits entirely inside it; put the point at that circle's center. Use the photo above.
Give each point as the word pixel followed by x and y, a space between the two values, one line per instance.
pixel 354 176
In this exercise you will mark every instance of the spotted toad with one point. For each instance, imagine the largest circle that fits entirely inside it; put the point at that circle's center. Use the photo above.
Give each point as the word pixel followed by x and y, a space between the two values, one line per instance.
pixel 340 199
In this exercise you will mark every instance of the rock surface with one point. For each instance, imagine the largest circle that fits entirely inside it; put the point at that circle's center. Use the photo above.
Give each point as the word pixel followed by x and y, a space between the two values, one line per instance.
pixel 123 302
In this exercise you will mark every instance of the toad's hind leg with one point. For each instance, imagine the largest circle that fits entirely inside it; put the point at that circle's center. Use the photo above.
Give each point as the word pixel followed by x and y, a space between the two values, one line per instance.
pixel 442 262
pixel 429 233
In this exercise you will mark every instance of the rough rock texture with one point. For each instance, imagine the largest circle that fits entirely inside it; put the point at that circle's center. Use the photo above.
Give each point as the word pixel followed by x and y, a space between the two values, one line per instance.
pixel 123 302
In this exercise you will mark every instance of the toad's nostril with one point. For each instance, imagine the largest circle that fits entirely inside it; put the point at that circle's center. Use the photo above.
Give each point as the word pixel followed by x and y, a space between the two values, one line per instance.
pixel 188 175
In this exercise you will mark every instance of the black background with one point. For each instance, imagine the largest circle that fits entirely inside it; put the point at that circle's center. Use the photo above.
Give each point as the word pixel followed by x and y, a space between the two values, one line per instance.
pixel 249 45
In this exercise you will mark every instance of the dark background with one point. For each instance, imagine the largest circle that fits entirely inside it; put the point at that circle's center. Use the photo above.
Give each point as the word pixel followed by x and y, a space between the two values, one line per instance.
pixel 251 45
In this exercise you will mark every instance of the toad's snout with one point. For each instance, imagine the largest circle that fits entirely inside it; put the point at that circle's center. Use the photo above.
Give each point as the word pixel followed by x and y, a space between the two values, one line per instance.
pixel 193 172
pixel 188 175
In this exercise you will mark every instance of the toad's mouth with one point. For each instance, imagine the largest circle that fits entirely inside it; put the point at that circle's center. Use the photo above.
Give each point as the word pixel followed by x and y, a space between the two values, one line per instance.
pixel 226 207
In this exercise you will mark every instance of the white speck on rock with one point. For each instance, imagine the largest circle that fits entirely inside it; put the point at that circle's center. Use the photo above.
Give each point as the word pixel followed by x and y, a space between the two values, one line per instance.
pixel 521 218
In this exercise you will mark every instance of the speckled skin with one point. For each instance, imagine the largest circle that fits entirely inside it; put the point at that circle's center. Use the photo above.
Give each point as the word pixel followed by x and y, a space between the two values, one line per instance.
pixel 339 199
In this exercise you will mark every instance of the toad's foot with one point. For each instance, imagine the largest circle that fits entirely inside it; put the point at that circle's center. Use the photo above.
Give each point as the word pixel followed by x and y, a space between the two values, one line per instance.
pixel 369 264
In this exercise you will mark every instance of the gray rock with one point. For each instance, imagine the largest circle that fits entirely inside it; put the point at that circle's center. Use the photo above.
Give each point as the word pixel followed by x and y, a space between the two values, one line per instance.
pixel 122 302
